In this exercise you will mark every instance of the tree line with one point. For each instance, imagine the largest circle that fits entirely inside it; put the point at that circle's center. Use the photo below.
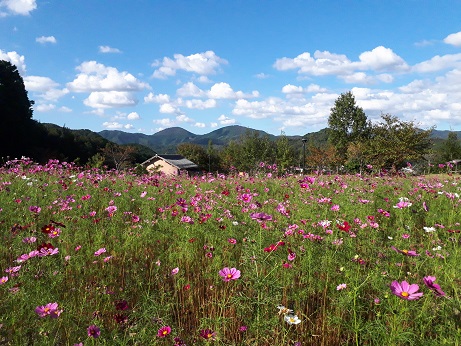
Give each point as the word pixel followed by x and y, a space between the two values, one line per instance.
pixel 351 143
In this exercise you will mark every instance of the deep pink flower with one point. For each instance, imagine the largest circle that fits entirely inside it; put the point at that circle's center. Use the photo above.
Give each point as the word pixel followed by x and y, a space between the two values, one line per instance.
pixel 3 280
pixel 93 331
pixel 429 282
pixel 207 334
pixel 232 241
pixel 260 217
pixel 405 291
pixel 164 331
pixel 229 274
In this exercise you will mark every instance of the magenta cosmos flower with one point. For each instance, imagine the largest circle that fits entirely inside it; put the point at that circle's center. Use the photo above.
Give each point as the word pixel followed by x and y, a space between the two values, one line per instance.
pixel 406 291
pixel 93 331
pixel 429 282
pixel 164 331
pixel 229 274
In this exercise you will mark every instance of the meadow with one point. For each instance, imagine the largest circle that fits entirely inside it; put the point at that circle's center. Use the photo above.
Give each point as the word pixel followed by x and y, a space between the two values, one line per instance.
pixel 92 257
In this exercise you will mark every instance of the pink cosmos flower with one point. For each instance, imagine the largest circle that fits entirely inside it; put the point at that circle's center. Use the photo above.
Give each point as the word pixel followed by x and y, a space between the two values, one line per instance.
pixel 175 271
pixel 164 331
pixel 341 287
pixel 50 309
pixel 111 210
pixel 232 241
pixel 229 274
pixel 410 253
pixel 429 282
pixel 100 251
pixel 261 217
pixel 405 291
pixel 3 280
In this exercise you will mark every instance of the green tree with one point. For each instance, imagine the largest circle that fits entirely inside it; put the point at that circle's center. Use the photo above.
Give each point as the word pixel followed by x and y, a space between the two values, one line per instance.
pixel 195 153
pixel 347 123
pixel 450 148
pixel 393 142
pixel 284 153
pixel 17 135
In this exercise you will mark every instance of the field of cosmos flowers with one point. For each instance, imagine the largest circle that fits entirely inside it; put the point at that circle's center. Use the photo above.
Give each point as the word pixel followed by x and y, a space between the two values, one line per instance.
pixel 91 257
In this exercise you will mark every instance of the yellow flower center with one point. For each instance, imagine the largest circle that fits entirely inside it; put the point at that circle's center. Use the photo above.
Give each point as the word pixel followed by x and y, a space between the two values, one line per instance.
pixel 229 276
pixel 165 332
pixel 209 336
pixel 404 294
pixel 405 251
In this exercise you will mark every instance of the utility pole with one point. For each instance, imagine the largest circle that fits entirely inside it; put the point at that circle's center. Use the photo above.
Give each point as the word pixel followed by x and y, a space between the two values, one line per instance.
pixel 304 153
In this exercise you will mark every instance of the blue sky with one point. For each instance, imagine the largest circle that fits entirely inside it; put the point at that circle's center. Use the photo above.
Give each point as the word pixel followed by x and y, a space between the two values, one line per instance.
pixel 146 65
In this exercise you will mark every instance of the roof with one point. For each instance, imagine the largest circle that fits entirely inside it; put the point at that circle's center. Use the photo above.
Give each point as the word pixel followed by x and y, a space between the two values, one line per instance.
pixel 176 160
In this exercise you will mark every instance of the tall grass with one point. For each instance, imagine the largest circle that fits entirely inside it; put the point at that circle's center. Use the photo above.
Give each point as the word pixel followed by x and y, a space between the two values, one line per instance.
pixel 138 253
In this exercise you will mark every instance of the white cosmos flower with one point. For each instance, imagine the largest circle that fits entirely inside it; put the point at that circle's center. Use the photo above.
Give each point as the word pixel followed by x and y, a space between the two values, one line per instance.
pixel 292 319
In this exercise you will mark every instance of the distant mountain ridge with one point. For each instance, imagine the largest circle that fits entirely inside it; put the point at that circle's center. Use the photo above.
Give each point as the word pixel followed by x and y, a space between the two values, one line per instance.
pixel 165 141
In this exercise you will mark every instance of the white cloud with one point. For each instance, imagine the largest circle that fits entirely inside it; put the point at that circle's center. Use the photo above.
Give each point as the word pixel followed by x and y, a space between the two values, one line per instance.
pixel 165 122
pixel 453 39
pixel 161 98
pixel 190 90
pixel 37 83
pixel 107 49
pixel 213 125
pixel 44 107
pixel 65 109
pixel 133 116
pixel 112 125
pixel 110 99
pixel 224 91
pixel 15 59
pixel 201 63
pixel 45 87
pixel 438 63
pixel 184 119
pixel 168 108
pixel 94 76
pixel 200 125
pixel 262 76
pixel 326 63
pixel 199 104
pixel 223 120
pixel 20 7
pixel 45 39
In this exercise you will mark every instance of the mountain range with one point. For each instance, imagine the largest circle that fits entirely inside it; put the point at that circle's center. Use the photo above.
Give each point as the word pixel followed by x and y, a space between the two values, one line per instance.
pixel 165 141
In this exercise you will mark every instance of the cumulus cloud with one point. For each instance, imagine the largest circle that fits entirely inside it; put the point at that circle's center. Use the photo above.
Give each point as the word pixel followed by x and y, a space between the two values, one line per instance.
pixel 438 63
pixel 453 39
pixel 107 49
pixel 15 59
pixel 201 63
pixel 94 76
pixel 152 98
pixel 200 125
pixel 224 91
pixel 17 7
pixel 65 109
pixel 133 116
pixel 165 122
pixel 110 99
pixel 326 63
pixel 224 120
pixel 44 107
pixel 200 104
pixel 45 39
pixel 44 87
pixel 190 90
pixel 113 125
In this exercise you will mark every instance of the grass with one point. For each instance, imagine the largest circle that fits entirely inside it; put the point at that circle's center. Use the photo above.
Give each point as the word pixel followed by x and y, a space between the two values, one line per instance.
pixel 325 247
